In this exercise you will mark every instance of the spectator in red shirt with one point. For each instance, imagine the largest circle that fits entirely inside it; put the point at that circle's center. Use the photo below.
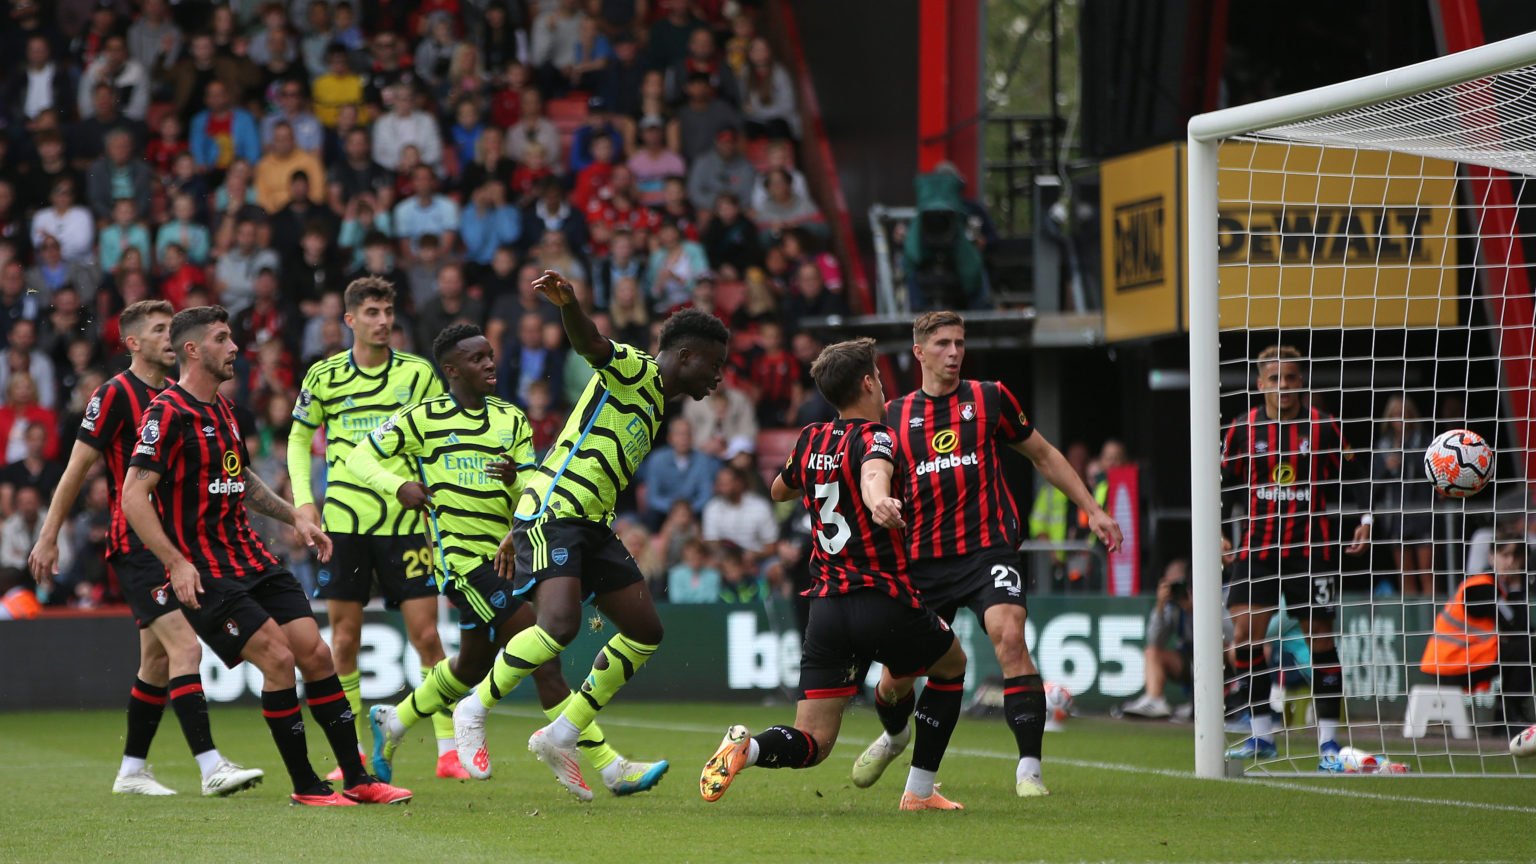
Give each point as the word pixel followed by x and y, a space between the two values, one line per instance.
pixel 546 424
pixel 529 177
pixel 703 58
pixel 507 98
pixel 161 153
pixel 21 409
pixel 181 276
pixel 597 174
pixel 773 378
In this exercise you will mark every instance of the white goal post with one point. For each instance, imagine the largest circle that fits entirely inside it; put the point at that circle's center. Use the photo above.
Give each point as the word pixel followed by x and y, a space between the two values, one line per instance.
pixel 1474 108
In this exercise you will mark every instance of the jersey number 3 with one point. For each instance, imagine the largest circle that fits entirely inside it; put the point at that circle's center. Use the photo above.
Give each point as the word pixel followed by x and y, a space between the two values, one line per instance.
pixel 829 494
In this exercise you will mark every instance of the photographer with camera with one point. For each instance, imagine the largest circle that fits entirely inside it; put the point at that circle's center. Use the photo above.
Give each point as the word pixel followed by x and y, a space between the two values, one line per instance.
pixel 1170 643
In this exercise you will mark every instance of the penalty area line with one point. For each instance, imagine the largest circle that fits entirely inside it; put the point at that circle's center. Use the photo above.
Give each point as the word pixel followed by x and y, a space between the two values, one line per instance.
pixel 1119 767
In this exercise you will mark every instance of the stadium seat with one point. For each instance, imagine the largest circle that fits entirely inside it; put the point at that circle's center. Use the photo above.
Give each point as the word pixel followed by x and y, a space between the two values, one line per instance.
pixel 773 447
pixel 568 113
pixel 1431 703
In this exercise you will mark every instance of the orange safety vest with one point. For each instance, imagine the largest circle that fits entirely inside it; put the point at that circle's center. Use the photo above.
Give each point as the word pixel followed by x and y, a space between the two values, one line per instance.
pixel 1461 645
pixel 20 603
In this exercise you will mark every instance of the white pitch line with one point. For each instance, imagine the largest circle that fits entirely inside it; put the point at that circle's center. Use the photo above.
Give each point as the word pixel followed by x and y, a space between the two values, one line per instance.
pixel 1120 767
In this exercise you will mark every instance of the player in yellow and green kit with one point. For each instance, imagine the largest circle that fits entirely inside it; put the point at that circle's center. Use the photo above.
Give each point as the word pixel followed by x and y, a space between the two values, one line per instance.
pixel 561 543
pixel 470 454
pixel 375 539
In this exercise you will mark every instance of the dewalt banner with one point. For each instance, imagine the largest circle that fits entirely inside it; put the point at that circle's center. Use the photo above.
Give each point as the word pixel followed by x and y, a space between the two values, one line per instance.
pixel 1330 238
pixel 1307 236
pixel 1142 237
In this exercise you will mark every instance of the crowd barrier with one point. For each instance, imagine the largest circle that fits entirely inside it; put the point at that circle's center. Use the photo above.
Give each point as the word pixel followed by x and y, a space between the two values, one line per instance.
pixel 1090 645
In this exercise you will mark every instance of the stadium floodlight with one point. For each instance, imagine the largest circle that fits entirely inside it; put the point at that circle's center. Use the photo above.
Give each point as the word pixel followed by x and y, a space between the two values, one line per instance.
pixel 1370 225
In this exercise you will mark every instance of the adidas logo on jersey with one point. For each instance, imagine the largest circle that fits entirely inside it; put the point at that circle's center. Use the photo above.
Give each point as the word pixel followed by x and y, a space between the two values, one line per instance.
pixel 226 487
pixel 453 437
pixel 942 463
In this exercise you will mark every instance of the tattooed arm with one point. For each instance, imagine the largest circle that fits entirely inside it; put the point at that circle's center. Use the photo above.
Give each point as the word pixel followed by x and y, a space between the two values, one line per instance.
pixel 260 498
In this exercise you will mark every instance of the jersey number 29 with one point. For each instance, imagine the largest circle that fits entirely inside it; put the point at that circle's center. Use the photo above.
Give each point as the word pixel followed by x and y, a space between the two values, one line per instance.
pixel 829 494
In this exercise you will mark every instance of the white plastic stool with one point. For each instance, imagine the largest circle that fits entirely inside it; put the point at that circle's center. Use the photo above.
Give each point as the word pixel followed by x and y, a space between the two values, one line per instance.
pixel 1431 703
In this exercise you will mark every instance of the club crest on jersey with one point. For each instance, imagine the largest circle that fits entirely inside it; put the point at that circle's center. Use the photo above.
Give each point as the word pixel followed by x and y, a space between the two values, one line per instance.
pixel 231 627
pixel 508 440
pixel 93 410
pixel 560 556
pixel 151 433
pixel 967 410
pixel 162 596
pixel 403 394
pixel 323 578
pixel 499 599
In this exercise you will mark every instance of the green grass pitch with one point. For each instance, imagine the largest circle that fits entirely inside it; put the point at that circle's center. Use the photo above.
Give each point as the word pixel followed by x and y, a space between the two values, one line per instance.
pixel 1120 792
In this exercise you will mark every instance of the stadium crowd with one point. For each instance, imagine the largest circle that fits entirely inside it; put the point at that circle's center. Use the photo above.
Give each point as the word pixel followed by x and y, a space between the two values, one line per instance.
pixel 262 155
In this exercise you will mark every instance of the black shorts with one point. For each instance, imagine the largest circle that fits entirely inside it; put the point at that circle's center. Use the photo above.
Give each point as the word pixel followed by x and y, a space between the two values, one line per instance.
pixel 483 598
pixel 978 581
pixel 146 588
pixel 402 565
pixel 1310 587
pixel 234 609
pixel 572 547
pixel 848 631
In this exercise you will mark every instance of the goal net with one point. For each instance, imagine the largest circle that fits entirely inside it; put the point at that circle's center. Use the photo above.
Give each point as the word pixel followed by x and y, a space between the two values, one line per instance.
pixel 1359 284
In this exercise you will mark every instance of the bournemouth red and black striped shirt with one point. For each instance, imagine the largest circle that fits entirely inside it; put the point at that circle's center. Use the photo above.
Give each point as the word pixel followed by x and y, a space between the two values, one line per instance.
pixel 196 448
pixel 958 502
pixel 850 552
pixel 1290 471
pixel 111 425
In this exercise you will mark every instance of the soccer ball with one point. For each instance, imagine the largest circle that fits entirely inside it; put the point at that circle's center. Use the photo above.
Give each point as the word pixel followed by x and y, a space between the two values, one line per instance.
pixel 1058 703
pixel 1524 744
pixel 1459 463
pixel 1357 761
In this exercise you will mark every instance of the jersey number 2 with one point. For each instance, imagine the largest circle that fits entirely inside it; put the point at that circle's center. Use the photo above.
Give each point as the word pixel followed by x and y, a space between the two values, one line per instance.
pixel 829 494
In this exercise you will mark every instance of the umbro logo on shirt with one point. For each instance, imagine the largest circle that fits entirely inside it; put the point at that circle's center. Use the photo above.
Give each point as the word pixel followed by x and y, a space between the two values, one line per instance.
pixel 208 431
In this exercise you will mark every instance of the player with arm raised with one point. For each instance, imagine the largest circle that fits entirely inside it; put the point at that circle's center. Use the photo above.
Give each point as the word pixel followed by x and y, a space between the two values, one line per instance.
pixel 471 454
pixel 863 607
pixel 374 539
pixel 237 597
pixel 561 544
pixel 1289 458
pixel 169 654
pixel 963 533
